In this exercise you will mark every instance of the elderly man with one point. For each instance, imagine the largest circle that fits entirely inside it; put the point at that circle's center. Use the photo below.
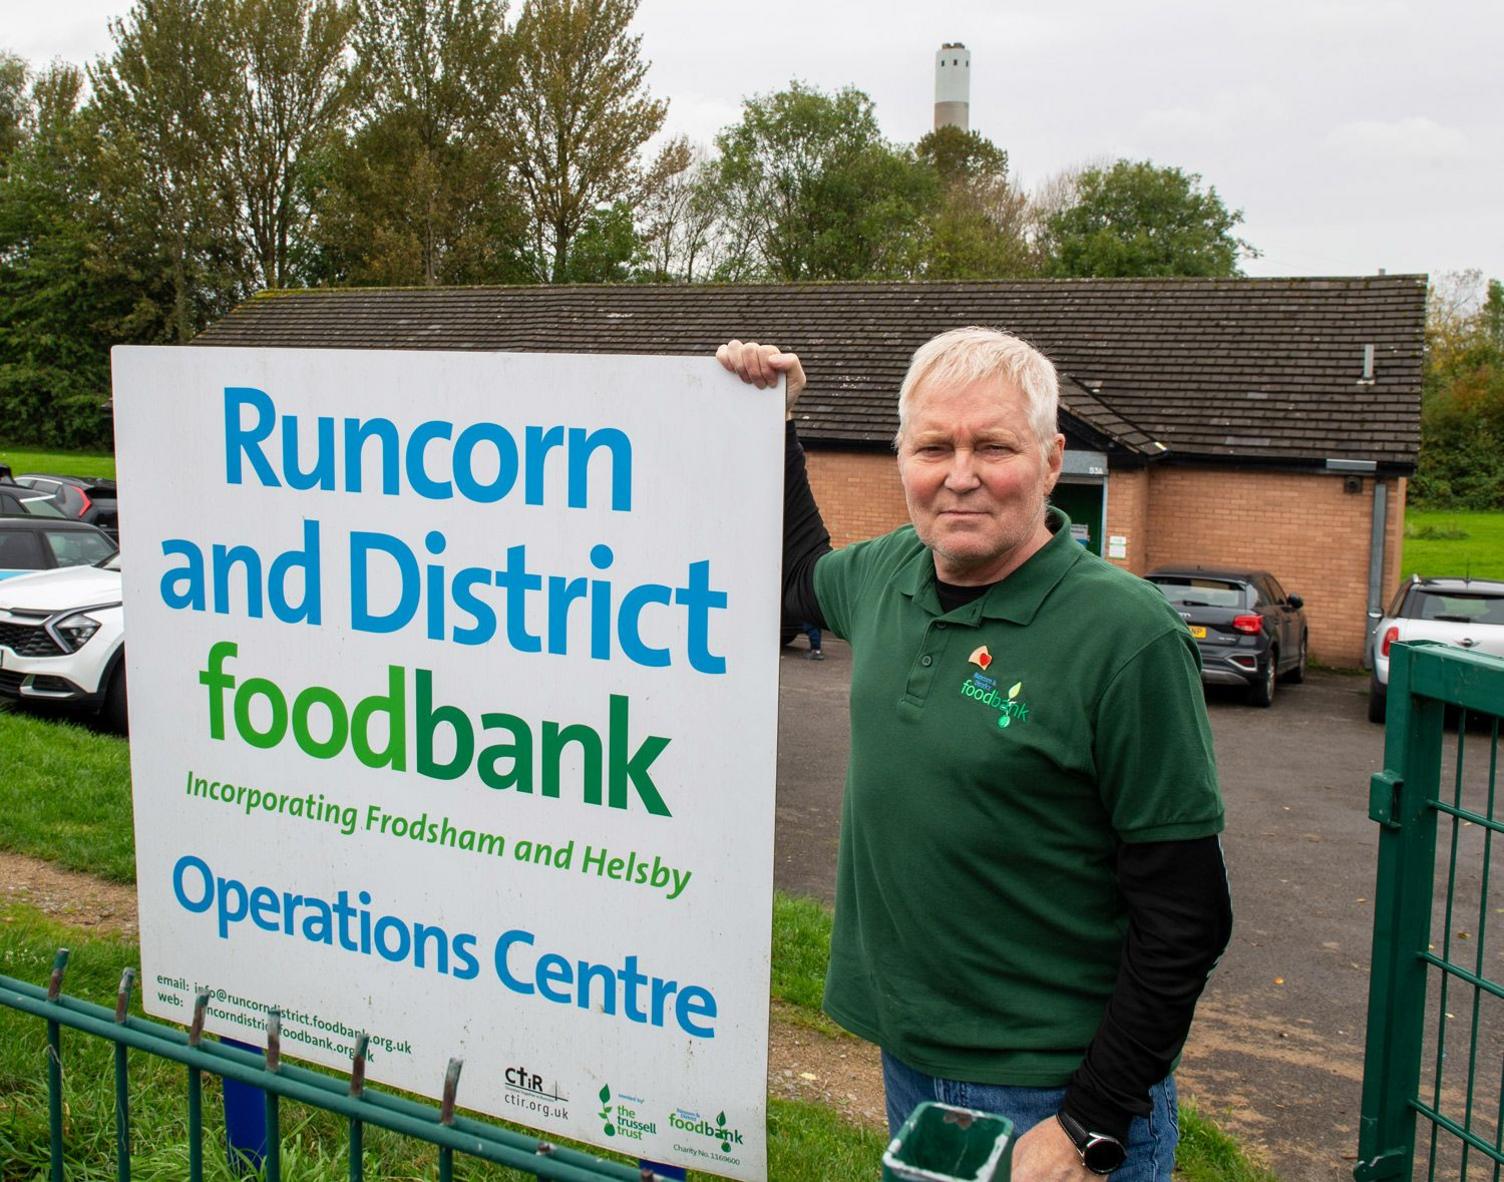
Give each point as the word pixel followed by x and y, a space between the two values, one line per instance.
pixel 1030 892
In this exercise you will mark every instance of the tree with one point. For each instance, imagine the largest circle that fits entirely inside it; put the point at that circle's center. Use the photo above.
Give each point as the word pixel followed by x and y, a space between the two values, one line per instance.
pixel 159 100
pixel 13 76
pixel 60 310
pixel 1462 395
pixel 815 190
pixel 979 226
pixel 605 247
pixel 1135 218
pixel 418 193
pixel 962 157
pixel 285 100
pixel 680 214
pixel 578 116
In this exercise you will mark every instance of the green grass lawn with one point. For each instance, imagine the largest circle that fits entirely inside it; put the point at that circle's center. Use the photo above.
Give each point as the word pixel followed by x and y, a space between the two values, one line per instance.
pixel 22 458
pixel 65 796
pixel 1443 542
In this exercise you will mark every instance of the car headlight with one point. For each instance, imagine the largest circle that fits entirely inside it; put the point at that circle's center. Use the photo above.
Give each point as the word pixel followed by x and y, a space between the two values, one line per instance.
pixel 74 631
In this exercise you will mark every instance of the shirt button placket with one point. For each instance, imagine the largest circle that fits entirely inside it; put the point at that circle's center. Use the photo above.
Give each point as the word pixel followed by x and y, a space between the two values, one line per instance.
pixel 921 675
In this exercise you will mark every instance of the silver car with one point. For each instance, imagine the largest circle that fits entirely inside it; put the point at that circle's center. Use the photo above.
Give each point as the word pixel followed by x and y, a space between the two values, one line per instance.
pixel 1468 613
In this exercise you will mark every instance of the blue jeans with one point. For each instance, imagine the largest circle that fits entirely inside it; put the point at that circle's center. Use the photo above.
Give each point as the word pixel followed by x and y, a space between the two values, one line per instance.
pixel 1151 1140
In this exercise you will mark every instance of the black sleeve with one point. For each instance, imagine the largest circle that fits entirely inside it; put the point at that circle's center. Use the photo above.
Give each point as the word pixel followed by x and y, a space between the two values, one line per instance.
pixel 805 537
pixel 1179 923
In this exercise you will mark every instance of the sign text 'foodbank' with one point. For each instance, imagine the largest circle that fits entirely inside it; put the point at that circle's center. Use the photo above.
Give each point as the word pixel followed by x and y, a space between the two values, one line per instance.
pixel 513 753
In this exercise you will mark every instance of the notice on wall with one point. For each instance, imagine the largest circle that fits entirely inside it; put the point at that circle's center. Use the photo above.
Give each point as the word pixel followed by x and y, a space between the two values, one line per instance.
pixel 453 706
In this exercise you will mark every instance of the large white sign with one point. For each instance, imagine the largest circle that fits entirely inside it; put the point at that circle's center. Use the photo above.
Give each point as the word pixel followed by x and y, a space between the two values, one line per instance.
pixel 453 718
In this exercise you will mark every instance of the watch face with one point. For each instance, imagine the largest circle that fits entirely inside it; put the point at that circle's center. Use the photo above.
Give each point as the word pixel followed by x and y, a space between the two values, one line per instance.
pixel 1103 1155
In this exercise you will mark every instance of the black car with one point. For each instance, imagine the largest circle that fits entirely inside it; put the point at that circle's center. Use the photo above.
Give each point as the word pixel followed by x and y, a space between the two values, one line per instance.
pixel 83 498
pixel 44 543
pixel 1249 629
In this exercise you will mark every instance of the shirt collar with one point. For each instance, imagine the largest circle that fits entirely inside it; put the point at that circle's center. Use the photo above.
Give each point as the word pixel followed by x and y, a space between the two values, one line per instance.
pixel 1017 597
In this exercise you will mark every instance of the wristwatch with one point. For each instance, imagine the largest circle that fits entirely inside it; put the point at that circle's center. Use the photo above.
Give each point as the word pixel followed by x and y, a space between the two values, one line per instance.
pixel 1100 1153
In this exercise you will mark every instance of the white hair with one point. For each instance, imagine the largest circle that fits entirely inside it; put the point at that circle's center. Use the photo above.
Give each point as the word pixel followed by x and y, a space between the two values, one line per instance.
pixel 965 355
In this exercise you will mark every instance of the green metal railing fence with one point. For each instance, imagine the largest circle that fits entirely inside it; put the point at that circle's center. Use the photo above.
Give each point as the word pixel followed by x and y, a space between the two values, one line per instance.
pixel 1435 1046
pixel 441 1127
pixel 938 1144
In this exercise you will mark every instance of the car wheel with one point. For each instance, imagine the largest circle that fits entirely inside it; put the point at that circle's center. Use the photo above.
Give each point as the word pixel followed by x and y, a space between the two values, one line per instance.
pixel 113 711
pixel 1298 674
pixel 1261 692
pixel 1378 696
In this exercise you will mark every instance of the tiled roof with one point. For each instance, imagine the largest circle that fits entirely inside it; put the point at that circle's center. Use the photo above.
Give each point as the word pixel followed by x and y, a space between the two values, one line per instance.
pixel 1258 369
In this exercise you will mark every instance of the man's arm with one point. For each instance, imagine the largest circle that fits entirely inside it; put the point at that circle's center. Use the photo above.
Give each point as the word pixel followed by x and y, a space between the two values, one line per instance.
pixel 805 537
pixel 1179 923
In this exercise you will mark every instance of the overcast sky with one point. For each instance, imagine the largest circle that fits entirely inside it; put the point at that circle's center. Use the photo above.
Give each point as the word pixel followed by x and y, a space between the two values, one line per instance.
pixel 1354 134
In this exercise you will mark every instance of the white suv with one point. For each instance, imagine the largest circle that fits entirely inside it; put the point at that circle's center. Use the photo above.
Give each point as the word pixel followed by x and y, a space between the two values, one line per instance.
pixel 62 639
pixel 1468 613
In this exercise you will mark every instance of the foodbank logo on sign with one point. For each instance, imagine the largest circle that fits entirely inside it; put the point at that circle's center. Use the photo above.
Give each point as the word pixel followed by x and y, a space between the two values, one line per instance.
pixel 690 1122
pixel 625 1123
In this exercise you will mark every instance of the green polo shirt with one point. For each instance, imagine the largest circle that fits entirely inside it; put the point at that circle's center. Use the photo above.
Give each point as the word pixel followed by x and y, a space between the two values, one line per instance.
pixel 999 754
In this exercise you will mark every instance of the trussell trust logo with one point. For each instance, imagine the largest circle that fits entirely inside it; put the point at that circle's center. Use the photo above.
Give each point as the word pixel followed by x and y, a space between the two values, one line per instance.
pixel 621 1119
pixel 981 688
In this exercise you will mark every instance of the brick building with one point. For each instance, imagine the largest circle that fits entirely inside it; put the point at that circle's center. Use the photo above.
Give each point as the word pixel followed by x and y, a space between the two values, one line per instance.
pixel 1262 422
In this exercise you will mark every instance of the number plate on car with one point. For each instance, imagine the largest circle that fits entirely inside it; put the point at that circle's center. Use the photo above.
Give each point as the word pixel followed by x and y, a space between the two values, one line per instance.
pixel 1198 631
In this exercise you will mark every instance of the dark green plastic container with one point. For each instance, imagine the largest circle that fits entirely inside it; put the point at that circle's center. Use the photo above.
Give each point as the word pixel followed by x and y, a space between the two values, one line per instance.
pixel 943 1143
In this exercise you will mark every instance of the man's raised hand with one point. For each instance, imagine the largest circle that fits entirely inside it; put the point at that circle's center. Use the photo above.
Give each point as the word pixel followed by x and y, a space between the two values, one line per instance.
pixel 761 365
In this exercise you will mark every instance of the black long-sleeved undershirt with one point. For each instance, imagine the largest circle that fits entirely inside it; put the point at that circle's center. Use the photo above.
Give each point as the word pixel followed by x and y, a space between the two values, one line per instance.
pixel 1174 892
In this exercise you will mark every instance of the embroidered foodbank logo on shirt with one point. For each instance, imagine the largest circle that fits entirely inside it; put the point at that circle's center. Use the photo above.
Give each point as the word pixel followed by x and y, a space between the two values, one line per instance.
pixel 1010 707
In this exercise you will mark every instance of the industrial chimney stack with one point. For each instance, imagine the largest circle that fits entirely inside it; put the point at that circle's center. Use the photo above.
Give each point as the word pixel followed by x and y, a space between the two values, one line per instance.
pixel 953 86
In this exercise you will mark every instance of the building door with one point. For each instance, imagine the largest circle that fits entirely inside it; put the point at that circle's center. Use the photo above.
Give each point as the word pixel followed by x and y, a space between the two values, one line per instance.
pixel 1081 499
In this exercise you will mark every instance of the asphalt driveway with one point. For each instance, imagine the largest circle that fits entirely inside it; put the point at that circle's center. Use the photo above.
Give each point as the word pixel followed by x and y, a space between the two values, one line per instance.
pixel 1276 1053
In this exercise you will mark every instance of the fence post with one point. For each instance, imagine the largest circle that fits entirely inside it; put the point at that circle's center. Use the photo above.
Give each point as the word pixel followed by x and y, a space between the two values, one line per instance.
pixel 1399 800
pixel 196 1092
pixel 55 1069
pixel 357 1092
pixel 446 1116
pixel 122 1092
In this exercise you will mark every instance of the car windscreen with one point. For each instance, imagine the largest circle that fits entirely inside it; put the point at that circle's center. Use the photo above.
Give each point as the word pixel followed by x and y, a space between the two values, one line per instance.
pixel 1460 607
pixel 1196 591
pixel 41 507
